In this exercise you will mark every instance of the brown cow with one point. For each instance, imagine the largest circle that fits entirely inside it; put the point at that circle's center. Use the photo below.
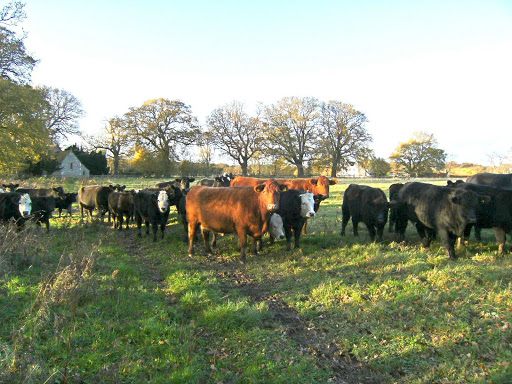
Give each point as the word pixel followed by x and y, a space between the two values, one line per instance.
pixel 318 185
pixel 244 210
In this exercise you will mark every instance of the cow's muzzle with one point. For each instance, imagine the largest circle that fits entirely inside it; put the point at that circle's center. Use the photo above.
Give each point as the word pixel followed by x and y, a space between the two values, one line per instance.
pixel 272 207
pixel 25 214
pixel 311 214
pixel 472 220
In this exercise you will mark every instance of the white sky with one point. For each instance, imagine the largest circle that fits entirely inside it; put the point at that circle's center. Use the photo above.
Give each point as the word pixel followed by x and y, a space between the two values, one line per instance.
pixel 443 67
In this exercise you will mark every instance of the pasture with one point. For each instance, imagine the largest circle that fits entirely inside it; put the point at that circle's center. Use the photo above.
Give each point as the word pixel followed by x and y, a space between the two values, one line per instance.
pixel 87 304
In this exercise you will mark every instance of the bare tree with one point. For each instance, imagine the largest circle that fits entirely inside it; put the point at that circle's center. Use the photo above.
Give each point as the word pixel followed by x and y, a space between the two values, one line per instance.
pixel 63 112
pixel 235 133
pixel 115 140
pixel 292 130
pixel 343 138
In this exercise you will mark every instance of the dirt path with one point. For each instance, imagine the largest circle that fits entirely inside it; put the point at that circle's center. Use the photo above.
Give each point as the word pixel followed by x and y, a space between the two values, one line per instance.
pixel 311 339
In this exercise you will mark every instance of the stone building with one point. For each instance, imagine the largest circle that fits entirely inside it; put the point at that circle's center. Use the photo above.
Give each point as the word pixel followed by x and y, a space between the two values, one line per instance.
pixel 70 166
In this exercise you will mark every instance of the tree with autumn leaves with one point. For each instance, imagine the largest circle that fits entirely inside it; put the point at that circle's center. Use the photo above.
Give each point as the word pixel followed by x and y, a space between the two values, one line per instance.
pixel 420 156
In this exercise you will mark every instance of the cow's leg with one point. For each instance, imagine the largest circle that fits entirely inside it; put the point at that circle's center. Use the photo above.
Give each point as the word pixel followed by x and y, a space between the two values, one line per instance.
pixel 501 237
pixel 206 239
pixel 371 231
pixel 296 236
pixel 147 227
pixel 448 242
pixel 242 238
pixel 254 246
pixel 47 223
pixel 288 235
pixel 139 224
pixel 478 233
pixel 118 220
pixel 424 235
pixel 192 228
pixel 380 232
pixel 467 233
pixel 344 221
pixel 304 228
pixel 154 226
pixel 392 220
pixel 214 241
pixel 127 220
pixel 355 223
pixel 162 228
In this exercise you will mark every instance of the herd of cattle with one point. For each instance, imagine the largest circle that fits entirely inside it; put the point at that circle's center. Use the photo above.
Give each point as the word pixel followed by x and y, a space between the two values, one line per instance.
pixel 251 207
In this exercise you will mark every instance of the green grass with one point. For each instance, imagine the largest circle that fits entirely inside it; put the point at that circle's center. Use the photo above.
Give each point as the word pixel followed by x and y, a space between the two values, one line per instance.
pixel 88 304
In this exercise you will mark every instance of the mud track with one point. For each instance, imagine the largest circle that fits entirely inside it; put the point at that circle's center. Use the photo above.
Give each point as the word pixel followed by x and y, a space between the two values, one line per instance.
pixel 309 338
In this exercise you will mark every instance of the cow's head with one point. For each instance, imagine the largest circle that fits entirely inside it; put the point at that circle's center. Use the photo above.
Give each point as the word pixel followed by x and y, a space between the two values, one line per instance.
pixel 320 186
pixel 307 204
pixel 25 205
pixel 275 226
pixel 59 192
pixel 379 208
pixel 185 181
pixel 270 194
pixel 222 181
pixel 119 187
pixel 162 201
pixel 467 202
pixel 10 187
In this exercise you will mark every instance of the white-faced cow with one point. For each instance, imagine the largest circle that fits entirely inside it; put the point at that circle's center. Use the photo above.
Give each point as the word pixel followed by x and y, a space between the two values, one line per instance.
pixel 152 207
pixel 295 208
pixel 16 207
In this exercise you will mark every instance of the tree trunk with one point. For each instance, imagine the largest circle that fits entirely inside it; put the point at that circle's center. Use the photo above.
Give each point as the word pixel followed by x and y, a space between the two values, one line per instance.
pixel 300 170
pixel 115 165
pixel 244 168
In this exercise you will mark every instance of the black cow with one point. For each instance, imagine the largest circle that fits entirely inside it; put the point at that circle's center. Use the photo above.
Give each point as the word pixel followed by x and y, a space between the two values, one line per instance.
pixel 393 193
pixel 15 206
pixel 365 204
pixel 92 197
pixel 42 208
pixel 10 187
pixel 66 203
pixel 437 210
pixel 454 184
pixel 492 179
pixel 56 192
pixel 218 181
pixel 496 215
pixel 181 183
pixel 152 207
pixel 121 204
pixel 295 207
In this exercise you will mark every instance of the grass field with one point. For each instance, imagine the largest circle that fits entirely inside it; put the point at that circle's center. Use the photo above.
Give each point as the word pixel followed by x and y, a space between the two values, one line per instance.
pixel 87 304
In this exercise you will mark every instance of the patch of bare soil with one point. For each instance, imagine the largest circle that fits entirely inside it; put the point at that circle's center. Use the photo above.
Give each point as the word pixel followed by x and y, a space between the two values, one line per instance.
pixel 310 338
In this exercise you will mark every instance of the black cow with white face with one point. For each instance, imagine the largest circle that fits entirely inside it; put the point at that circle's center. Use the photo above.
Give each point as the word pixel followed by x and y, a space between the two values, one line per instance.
pixel 437 210
pixel 365 204
pixel 16 207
